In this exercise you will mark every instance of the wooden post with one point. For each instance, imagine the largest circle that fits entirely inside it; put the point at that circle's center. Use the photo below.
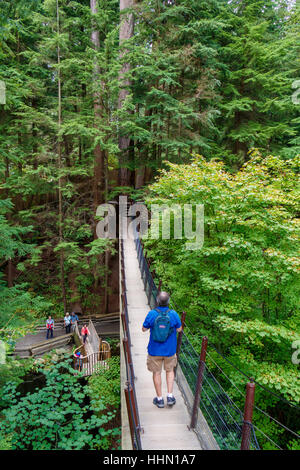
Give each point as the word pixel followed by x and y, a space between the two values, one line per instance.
pixel 127 351
pixel 130 417
pixel 143 267
pixel 123 318
pixel 123 300
pixel 201 368
pixel 248 412
pixel 125 325
pixel 135 417
pixel 100 348
pixel 179 339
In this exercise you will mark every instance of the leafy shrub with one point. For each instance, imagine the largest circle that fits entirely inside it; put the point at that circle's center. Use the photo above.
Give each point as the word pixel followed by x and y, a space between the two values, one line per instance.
pixel 60 415
pixel 107 384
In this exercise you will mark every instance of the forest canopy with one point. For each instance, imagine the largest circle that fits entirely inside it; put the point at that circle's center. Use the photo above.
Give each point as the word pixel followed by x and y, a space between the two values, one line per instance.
pixel 186 101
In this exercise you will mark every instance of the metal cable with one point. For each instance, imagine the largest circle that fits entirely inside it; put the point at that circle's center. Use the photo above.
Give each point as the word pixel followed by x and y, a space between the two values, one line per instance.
pixel 267 437
pixel 189 360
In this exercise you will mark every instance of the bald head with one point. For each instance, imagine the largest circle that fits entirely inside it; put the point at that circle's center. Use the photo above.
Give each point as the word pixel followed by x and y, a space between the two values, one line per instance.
pixel 163 299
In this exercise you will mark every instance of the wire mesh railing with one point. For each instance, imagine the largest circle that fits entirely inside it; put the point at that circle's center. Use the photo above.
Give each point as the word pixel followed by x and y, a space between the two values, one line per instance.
pixel 149 285
pixel 223 416
pixel 129 390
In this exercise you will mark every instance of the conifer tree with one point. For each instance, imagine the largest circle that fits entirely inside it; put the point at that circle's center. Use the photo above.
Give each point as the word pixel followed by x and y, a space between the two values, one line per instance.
pixel 256 106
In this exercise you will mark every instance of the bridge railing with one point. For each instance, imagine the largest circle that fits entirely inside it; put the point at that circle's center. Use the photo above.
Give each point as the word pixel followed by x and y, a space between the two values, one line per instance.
pixel 93 337
pixel 229 424
pixel 129 390
pixel 230 429
pixel 96 361
pixel 224 417
pixel 93 363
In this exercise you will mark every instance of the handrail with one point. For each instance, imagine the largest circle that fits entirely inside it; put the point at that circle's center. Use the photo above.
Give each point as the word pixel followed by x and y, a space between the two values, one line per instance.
pixel 129 390
pixel 91 364
pixel 210 383
pixel 96 360
pixel 98 352
pixel 191 368
pixel 93 338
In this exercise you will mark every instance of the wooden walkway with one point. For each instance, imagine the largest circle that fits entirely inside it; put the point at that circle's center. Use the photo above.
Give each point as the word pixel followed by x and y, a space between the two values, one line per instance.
pixel 105 327
pixel 164 428
pixel 95 351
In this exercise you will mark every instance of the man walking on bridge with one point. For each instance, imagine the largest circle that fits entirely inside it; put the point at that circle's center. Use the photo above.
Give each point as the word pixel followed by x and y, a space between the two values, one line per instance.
pixel 163 324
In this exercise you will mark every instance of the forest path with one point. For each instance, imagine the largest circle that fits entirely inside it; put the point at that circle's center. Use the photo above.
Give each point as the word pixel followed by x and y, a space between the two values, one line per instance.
pixel 164 428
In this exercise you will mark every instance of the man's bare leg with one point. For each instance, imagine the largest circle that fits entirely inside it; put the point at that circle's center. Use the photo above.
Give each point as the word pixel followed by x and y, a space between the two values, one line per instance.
pixel 157 383
pixel 170 376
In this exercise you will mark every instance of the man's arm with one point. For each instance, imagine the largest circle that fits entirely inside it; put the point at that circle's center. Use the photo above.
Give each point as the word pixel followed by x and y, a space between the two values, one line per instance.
pixel 147 323
pixel 178 324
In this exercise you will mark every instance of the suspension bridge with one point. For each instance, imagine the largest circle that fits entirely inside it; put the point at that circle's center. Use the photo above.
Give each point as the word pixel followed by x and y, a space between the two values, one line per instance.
pixel 205 416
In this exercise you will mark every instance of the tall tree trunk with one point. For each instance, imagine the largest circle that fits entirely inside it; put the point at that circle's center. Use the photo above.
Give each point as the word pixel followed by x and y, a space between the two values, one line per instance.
pixel 60 209
pixel 126 32
pixel 98 181
pixel 9 262
pixel 139 177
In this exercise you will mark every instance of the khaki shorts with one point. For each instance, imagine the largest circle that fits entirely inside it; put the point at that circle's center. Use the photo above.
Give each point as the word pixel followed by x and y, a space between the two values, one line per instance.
pixel 154 363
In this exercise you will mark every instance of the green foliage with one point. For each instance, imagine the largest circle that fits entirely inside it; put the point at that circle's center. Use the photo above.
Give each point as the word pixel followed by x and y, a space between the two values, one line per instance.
pixel 19 306
pixel 20 309
pixel 205 77
pixel 11 243
pixel 5 443
pixel 13 371
pixel 107 384
pixel 29 170
pixel 242 287
pixel 256 105
pixel 211 77
pixel 56 416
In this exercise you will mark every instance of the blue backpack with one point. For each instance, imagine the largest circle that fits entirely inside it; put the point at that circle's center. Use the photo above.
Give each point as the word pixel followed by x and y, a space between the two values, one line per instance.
pixel 162 328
